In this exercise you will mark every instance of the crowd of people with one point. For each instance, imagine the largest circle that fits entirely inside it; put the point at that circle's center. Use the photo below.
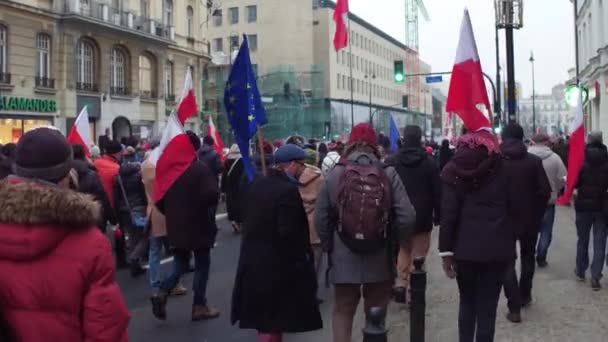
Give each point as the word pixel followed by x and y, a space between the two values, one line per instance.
pixel 370 210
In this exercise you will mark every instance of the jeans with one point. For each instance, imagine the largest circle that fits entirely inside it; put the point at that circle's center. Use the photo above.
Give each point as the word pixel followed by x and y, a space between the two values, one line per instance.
pixel 584 222
pixel 517 292
pixel 202 262
pixel 212 224
pixel 154 256
pixel 546 233
pixel 479 286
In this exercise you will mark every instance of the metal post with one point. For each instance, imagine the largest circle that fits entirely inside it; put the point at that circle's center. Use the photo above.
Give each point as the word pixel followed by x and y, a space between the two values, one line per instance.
pixel 510 74
pixel 418 304
pixel 352 83
pixel 576 66
pixel 497 99
pixel 375 329
pixel 533 98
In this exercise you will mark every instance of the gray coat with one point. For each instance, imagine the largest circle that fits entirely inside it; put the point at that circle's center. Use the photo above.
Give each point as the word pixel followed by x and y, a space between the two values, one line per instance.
pixel 554 168
pixel 348 267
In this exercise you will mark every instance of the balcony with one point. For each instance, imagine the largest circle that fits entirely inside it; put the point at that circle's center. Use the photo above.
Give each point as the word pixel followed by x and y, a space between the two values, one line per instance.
pixel 45 82
pixel 120 91
pixel 87 87
pixel 5 78
pixel 99 12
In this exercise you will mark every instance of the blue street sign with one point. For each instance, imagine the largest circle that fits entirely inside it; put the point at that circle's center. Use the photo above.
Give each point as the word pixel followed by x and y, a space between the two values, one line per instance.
pixel 434 79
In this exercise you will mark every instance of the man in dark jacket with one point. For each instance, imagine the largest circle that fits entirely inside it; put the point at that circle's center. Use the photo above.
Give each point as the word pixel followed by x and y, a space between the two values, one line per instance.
pixel 276 284
pixel 89 183
pixel 208 155
pixel 531 189
pixel 589 206
pixel 420 175
pixel 186 208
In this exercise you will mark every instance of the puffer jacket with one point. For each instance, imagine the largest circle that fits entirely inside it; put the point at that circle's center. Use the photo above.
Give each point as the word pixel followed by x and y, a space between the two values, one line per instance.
pixel 593 179
pixel 554 168
pixel 56 268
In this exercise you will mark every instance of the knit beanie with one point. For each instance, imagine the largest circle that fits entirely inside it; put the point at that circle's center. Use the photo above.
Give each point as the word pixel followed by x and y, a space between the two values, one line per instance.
pixel 43 153
pixel 362 133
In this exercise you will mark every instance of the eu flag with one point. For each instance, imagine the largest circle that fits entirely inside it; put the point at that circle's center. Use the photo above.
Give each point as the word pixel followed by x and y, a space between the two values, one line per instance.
pixel 393 135
pixel 243 104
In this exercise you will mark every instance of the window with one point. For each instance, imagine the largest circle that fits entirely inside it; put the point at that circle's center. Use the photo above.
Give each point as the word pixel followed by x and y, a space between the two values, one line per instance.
pixel 218 45
pixel 85 64
pixel 234 42
pixel 146 76
pixel 3 48
pixel 43 67
pixel 118 72
pixel 338 83
pixel 253 42
pixel 217 18
pixel 337 57
pixel 252 14
pixel 234 15
pixel 169 96
pixel 343 57
pixel 344 81
pixel 168 19
pixel 190 21
pixel 143 8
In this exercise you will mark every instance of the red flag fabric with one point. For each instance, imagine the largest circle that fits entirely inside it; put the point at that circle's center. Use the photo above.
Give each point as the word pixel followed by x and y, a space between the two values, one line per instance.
pixel 576 156
pixel 187 102
pixel 80 132
pixel 340 17
pixel 212 132
pixel 172 157
pixel 467 92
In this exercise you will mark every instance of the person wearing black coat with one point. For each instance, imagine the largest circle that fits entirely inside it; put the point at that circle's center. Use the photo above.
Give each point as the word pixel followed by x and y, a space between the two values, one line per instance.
pixel 232 185
pixel 590 206
pixel 420 175
pixel 186 208
pixel 477 235
pixel 531 189
pixel 275 290
pixel 445 153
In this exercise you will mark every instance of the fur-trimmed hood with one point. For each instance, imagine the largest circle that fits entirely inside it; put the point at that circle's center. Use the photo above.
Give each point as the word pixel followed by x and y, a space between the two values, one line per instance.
pixel 35 217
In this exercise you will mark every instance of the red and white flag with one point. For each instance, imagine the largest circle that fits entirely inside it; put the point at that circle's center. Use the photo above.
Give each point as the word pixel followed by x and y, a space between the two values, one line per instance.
pixel 80 132
pixel 576 155
pixel 341 17
pixel 172 157
pixel 212 132
pixel 467 95
pixel 187 102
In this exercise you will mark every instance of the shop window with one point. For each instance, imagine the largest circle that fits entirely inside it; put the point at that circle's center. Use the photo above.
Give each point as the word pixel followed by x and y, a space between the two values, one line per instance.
pixel 12 129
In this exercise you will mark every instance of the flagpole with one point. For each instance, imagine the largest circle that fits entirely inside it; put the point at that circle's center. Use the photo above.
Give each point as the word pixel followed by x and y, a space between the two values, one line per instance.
pixel 261 147
pixel 350 63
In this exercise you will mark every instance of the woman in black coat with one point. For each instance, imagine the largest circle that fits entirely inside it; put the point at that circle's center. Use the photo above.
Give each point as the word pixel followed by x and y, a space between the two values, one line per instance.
pixel 477 235
pixel 231 185
pixel 445 154
pixel 275 290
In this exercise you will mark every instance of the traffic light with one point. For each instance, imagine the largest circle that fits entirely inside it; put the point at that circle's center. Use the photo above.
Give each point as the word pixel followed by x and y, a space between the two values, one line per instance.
pixel 398 74
pixel 572 94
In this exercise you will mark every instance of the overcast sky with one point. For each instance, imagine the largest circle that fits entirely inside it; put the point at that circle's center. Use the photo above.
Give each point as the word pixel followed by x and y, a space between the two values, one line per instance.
pixel 545 22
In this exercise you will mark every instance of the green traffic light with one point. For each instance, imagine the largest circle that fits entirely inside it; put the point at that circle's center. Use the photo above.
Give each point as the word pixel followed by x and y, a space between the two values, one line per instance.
pixel 572 95
pixel 398 72
pixel 399 78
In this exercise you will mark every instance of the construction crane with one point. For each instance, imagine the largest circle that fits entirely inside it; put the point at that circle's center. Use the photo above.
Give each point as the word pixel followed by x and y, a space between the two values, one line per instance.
pixel 412 40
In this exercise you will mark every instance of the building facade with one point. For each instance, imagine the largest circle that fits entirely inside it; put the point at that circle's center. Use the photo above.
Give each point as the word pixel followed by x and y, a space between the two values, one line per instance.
pixel 123 59
pixel 550 112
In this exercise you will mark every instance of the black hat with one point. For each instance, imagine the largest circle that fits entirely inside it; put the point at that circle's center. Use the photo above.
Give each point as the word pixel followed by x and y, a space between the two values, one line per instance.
pixel 43 153
pixel 113 147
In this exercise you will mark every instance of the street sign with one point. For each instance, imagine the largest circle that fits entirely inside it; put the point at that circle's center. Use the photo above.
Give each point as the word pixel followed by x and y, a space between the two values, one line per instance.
pixel 434 79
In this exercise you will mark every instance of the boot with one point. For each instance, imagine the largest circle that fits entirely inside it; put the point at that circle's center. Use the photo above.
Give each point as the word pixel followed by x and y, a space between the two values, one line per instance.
pixel 179 290
pixel 159 306
pixel 400 294
pixel 200 312
pixel 514 317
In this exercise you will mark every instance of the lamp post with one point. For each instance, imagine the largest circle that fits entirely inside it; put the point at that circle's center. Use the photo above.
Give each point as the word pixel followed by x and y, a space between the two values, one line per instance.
pixel 509 15
pixel 533 95
pixel 370 77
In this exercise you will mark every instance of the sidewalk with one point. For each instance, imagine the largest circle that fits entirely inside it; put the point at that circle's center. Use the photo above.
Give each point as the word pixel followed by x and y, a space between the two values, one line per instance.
pixel 563 310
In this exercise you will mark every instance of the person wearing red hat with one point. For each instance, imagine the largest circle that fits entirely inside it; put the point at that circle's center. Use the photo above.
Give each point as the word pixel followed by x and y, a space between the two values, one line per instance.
pixel 359 250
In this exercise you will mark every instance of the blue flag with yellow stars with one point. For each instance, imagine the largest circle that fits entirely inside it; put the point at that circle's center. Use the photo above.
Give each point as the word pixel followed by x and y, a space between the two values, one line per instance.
pixel 243 104
pixel 393 134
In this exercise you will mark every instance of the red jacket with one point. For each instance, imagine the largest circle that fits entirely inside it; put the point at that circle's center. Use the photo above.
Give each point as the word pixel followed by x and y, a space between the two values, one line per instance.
pixel 107 168
pixel 56 269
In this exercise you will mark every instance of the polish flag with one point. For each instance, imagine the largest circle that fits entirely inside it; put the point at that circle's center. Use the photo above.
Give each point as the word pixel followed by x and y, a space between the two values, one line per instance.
pixel 576 155
pixel 80 132
pixel 467 95
pixel 340 17
pixel 172 157
pixel 187 102
pixel 212 132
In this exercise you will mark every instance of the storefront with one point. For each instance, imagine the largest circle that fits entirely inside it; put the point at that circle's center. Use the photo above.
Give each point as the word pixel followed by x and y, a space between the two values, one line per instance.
pixel 20 114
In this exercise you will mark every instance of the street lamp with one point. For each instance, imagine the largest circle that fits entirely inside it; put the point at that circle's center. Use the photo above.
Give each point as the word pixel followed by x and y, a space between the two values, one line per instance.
pixel 509 15
pixel 371 77
pixel 533 95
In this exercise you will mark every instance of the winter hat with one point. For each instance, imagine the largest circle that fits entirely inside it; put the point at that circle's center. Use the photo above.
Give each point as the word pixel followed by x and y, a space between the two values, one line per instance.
pixel 43 153
pixel 289 153
pixel 364 133
pixel 311 156
pixel 412 136
pixel 113 147
pixel 478 139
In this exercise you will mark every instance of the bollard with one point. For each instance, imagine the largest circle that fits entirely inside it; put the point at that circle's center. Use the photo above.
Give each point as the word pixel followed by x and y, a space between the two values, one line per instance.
pixel 375 330
pixel 418 301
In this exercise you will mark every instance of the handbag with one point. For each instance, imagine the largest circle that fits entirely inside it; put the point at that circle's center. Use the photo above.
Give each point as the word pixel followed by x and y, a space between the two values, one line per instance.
pixel 138 219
